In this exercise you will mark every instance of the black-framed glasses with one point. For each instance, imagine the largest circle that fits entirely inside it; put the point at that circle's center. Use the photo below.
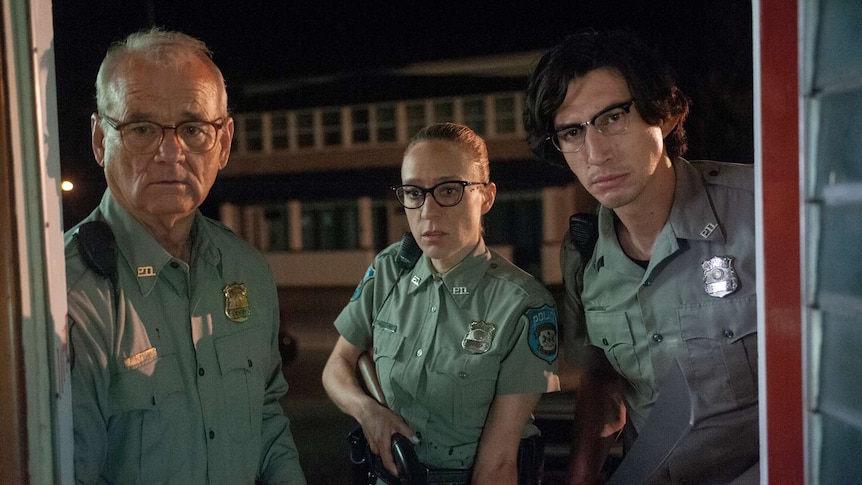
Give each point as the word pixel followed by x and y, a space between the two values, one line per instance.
pixel 613 120
pixel 146 136
pixel 446 194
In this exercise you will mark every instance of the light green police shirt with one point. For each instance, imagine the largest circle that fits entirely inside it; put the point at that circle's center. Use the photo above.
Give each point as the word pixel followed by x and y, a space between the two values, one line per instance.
pixel 644 318
pixel 445 345
pixel 166 387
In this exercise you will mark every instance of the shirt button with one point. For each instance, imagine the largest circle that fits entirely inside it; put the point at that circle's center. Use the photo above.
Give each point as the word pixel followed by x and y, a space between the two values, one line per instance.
pixel 201 371
pixel 728 333
pixel 647 283
pixel 657 337
pixel 212 434
pixel 462 374
pixel 604 341
pixel 419 353
pixel 433 308
pixel 249 362
pixel 175 265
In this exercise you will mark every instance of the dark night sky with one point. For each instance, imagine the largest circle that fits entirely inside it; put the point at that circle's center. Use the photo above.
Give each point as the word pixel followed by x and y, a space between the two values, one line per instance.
pixel 710 46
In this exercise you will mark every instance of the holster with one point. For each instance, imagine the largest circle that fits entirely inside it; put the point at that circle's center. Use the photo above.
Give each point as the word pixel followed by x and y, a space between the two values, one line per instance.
pixel 366 467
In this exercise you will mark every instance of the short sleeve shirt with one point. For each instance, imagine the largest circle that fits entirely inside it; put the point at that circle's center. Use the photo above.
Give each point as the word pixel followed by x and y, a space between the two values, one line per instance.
pixel 445 344
pixel 695 301
pixel 178 380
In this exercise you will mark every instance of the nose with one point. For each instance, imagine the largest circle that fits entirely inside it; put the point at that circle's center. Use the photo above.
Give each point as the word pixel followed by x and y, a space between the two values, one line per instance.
pixel 597 147
pixel 430 208
pixel 170 148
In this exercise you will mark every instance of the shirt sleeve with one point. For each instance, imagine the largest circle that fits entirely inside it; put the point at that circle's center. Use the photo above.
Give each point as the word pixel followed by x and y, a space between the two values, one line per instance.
pixel 531 366
pixel 90 381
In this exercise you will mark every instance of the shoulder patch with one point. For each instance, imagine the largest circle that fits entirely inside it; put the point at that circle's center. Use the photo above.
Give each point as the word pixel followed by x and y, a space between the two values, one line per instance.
pixel 368 275
pixel 543 332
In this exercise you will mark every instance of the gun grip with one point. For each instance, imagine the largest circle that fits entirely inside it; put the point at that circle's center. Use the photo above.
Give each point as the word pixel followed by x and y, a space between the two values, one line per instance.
pixel 410 469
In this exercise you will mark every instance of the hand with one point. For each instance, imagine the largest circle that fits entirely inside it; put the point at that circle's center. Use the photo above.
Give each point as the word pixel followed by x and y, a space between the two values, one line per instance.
pixel 378 425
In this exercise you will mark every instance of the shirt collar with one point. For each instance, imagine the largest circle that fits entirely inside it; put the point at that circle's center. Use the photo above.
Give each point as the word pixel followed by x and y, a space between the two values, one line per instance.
pixel 691 217
pixel 144 256
pixel 461 282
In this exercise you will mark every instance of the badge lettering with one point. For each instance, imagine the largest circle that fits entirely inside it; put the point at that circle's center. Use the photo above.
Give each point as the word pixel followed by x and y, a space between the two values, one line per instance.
pixel 415 280
pixel 141 358
pixel 146 271
pixel 460 290
pixel 708 230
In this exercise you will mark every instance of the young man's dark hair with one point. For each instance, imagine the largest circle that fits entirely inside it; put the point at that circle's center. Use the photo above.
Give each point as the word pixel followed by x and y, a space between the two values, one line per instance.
pixel 650 78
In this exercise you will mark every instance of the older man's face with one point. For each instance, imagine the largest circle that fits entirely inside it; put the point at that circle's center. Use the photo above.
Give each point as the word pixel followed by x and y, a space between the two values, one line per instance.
pixel 169 182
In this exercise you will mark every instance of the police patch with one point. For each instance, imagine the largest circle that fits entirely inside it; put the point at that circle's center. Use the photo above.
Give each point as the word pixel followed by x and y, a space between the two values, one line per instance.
pixel 543 332
pixel 368 275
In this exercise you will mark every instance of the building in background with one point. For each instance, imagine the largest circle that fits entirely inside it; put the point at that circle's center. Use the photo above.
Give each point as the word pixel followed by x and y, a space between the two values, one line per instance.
pixel 313 162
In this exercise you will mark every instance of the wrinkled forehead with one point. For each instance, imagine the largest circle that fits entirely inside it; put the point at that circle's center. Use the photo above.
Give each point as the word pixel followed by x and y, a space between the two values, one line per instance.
pixel 184 81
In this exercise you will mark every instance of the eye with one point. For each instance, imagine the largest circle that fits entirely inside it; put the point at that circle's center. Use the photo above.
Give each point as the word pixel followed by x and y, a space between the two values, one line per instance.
pixel 190 129
pixel 570 133
pixel 412 192
pixel 140 129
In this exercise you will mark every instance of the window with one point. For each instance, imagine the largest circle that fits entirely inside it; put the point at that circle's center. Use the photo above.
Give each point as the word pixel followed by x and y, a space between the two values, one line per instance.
pixel 505 116
pixel 330 225
pixel 332 127
pixel 280 134
pixel 474 114
pixel 444 110
pixel 361 128
pixel 386 123
pixel 415 118
pixel 253 133
pixel 305 129
pixel 524 211
pixel 277 218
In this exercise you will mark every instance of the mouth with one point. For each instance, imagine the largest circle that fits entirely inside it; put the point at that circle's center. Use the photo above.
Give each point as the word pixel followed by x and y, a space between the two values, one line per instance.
pixel 433 235
pixel 607 181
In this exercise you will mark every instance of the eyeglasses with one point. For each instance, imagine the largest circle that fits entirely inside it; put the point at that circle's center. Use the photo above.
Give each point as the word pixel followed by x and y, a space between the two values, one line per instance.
pixel 146 136
pixel 614 120
pixel 446 194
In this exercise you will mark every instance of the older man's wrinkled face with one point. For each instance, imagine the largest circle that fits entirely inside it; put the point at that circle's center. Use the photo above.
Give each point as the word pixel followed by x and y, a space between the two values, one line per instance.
pixel 169 182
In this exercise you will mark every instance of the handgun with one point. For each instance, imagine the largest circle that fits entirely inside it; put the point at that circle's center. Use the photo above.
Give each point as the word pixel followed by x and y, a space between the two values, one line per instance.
pixel 410 470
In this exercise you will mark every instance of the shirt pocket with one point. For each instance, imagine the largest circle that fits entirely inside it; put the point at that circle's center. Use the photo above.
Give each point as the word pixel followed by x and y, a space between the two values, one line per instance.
pixel 148 400
pixel 721 338
pixel 241 359
pixel 461 386
pixel 387 350
pixel 610 331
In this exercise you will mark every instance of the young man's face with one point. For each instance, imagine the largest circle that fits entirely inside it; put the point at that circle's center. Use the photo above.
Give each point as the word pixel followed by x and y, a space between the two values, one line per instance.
pixel 619 169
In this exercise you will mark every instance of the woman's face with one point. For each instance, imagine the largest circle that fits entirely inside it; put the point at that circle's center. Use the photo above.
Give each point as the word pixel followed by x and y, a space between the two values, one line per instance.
pixel 446 234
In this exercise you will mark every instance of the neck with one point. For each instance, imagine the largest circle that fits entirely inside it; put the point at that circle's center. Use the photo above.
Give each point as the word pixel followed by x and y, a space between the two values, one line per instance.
pixel 174 235
pixel 638 225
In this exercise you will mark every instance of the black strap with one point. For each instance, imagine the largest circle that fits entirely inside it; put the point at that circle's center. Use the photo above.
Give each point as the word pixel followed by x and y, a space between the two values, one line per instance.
pixel 584 233
pixel 99 250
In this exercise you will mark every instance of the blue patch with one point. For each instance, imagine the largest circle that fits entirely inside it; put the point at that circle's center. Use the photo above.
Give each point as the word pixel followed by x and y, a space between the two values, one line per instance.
pixel 543 332
pixel 368 275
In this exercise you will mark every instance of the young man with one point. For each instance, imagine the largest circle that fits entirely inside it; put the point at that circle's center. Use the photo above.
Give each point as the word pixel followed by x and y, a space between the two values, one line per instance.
pixel 672 274
pixel 176 373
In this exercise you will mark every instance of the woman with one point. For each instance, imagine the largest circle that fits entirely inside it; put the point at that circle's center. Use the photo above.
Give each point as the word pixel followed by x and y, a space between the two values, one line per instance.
pixel 463 342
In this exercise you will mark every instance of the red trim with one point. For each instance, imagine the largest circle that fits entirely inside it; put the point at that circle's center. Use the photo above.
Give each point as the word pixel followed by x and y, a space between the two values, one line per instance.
pixel 781 247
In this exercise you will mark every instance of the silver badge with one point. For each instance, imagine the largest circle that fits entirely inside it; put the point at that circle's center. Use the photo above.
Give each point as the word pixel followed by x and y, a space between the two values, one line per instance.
pixel 478 339
pixel 719 277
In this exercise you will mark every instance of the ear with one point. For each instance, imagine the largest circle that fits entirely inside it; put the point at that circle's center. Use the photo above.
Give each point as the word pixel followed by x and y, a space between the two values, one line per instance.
pixel 489 196
pixel 668 125
pixel 225 140
pixel 97 139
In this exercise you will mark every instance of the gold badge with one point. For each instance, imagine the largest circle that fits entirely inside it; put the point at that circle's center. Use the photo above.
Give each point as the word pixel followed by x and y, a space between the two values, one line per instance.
pixel 478 339
pixel 236 302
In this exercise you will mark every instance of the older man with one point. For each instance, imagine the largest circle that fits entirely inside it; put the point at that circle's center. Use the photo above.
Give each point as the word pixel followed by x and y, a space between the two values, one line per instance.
pixel 176 375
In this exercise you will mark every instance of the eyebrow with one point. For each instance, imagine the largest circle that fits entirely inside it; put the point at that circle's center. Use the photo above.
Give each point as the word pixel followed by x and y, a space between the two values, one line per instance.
pixel 438 180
